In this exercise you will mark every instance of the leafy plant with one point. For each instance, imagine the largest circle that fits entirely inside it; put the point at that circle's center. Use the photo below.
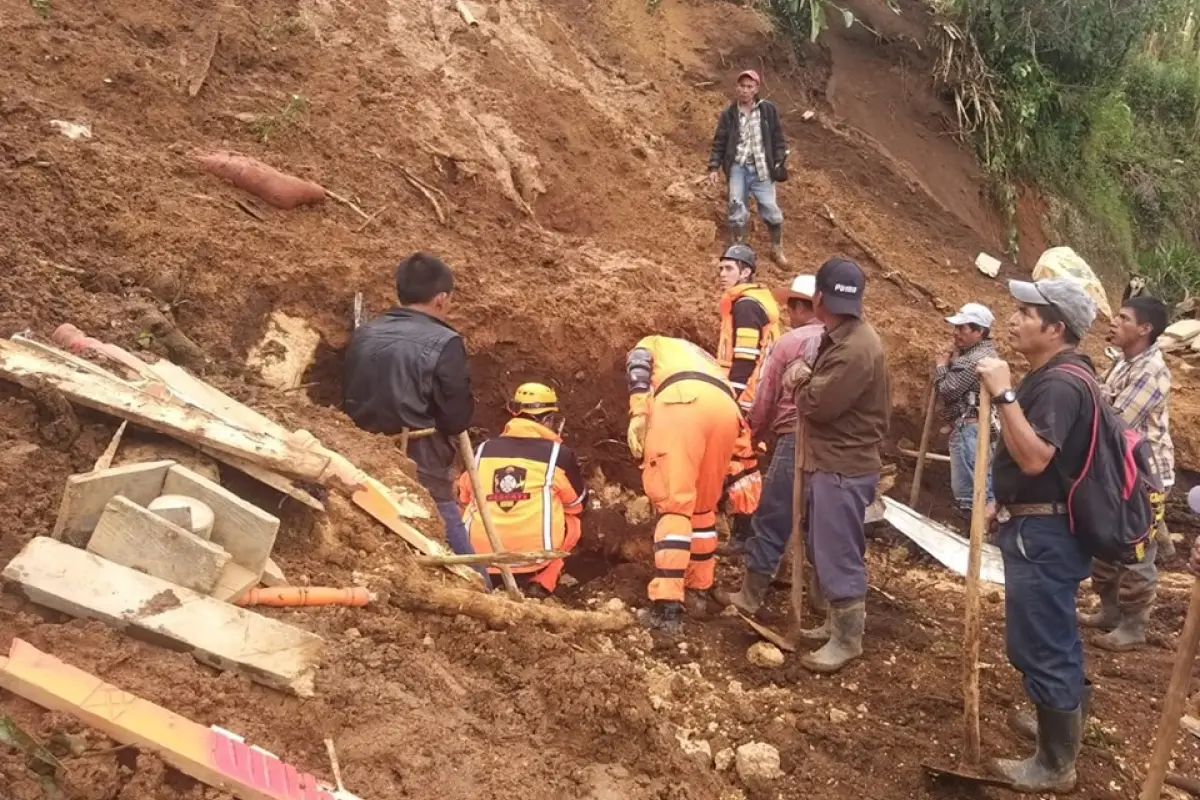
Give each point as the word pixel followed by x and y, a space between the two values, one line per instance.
pixel 41 7
pixel 269 125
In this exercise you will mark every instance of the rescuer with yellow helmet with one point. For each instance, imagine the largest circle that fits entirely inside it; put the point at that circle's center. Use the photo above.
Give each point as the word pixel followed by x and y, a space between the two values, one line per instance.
pixel 535 489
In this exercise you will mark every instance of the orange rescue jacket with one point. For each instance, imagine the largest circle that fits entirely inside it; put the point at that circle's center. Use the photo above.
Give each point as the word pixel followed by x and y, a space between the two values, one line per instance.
pixel 749 345
pixel 668 358
pixel 534 487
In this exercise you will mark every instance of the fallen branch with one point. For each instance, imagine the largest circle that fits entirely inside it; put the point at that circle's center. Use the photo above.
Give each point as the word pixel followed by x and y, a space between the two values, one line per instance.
pixel 348 203
pixel 106 458
pixel 372 218
pixel 1189 785
pixel 499 612
pixel 506 557
pixel 425 190
pixel 895 276
pixel 249 209
pixel 466 14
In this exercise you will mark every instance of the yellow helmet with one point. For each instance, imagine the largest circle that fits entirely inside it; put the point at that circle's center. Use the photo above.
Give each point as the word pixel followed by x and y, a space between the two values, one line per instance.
pixel 534 399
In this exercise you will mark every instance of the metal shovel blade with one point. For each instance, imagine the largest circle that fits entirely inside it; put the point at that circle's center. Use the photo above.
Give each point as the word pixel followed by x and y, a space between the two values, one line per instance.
pixel 963 774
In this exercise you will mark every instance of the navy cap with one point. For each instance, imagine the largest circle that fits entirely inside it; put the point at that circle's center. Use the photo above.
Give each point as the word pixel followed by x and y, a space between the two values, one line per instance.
pixel 842 285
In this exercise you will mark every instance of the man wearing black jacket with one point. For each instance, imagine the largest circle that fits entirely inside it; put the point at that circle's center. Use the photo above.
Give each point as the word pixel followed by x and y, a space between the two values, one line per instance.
pixel 408 369
pixel 750 148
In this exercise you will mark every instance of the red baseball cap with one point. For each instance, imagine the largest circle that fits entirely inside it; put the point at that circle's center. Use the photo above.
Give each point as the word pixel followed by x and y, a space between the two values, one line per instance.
pixel 749 73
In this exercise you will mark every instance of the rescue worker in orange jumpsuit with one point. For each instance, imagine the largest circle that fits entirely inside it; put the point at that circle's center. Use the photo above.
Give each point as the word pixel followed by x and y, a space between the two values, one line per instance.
pixel 750 328
pixel 684 427
pixel 535 489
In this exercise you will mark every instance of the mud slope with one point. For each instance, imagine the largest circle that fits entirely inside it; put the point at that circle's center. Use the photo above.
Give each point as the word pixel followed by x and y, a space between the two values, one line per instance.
pixel 562 143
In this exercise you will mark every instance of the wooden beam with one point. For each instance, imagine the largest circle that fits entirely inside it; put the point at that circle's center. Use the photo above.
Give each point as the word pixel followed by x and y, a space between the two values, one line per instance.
pixel 85 496
pixel 209 755
pixel 191 424
pixel 136 537
pixel 218 634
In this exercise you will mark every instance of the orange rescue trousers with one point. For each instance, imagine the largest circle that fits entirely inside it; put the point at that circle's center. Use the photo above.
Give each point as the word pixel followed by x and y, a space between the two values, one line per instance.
pixel 549 574
pixel 687 453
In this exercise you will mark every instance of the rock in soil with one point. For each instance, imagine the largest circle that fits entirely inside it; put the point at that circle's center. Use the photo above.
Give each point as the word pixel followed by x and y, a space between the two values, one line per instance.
pixel 765 655
pixel 724 759
pixel 758 763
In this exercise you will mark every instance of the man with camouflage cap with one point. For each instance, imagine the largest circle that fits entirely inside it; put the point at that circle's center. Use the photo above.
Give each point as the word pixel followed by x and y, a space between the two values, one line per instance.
pixel 1045 436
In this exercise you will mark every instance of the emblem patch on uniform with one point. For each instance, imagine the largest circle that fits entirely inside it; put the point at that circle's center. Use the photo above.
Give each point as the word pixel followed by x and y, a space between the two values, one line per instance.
pixel 508 487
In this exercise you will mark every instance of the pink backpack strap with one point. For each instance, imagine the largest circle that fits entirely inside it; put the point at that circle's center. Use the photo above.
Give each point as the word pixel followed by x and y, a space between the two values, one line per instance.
pixel 1090 381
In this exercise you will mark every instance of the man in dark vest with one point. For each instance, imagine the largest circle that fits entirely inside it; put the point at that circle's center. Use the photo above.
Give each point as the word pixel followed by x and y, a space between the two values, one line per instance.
pixel 408 369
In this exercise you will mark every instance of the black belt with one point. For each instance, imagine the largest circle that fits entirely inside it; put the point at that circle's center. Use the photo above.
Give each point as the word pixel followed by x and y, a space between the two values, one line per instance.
pixel 711 380
pixel 1011 510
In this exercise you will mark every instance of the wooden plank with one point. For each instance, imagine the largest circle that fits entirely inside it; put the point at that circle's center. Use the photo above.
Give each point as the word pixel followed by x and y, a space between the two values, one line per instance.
pixel 221 635
pixel 209 755
pixel 235 581
pixel 136 537
pixel 85 496
pixel 242 528
pixel 264 476
pixel 106 458
pixel 272 575
pixel 29 368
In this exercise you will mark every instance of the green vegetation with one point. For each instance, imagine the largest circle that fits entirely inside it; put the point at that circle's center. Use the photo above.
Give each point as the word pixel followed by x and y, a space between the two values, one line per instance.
pixel 1098 103
pixel 41 7
pixel 268 125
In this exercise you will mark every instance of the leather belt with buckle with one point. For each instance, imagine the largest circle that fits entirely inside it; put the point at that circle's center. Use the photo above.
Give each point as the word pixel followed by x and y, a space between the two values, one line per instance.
pixel 1005 513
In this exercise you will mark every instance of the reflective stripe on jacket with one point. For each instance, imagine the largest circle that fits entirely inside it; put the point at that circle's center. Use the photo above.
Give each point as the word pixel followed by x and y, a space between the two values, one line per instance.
pixel 534 489
pixel 750 345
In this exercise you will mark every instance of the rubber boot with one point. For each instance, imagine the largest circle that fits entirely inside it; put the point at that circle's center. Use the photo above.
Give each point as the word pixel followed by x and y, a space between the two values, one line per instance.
pixel 737 234
pixel 817 600
pixel 846 623
pixel 1052 767
pixel 1025 723
pixel 1109 614
pixel 749 598
pixel 696 602
pixel 666 616
pixel 777 245
pixel 1130 633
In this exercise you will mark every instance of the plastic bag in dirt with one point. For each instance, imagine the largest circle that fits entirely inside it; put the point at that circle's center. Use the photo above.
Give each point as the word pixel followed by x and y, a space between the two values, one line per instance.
pixel 1063 262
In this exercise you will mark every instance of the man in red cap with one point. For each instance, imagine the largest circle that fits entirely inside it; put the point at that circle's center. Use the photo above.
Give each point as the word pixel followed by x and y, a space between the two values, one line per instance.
pixel 750 148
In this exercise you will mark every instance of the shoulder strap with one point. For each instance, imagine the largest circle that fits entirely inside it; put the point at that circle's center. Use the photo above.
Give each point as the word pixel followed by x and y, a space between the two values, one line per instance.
pixel 1090 382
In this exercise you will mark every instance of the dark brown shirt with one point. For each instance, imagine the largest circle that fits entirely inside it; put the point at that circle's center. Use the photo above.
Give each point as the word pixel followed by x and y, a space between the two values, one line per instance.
pixel 847 403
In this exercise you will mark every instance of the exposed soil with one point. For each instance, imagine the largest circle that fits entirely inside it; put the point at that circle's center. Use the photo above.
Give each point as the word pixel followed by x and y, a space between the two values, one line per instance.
pixel 564 141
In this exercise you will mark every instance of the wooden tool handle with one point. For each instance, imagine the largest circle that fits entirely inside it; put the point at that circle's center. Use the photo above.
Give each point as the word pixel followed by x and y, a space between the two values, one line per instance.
pixel 798 554
pixel 983 451
pixel 926 432
pixel 1168 724
pixel 485 514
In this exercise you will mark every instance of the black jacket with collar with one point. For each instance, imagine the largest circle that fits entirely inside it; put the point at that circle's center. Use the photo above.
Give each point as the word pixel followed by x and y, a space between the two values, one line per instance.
pixel 725 142
pixel 407 369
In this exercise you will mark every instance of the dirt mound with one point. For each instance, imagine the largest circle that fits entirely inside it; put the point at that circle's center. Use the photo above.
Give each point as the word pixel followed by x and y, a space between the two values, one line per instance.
pixel 551 155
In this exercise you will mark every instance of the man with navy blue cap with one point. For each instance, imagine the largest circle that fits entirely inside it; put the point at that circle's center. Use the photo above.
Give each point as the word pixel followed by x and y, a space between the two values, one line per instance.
pixel 844 408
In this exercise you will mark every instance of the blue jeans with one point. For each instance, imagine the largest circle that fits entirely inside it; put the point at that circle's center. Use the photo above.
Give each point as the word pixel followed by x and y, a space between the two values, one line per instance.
pixel 456 534
pixel 964 438
pixel 1043 567
pixel 772 522
pixel 743 182
pixel 835 532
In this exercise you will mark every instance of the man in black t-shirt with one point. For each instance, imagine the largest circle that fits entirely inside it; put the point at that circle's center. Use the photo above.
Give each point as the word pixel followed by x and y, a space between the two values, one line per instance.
pixel 1045 434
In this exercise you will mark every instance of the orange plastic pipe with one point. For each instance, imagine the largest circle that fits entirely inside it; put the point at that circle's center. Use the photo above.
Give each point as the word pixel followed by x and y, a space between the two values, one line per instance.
pixel 296 596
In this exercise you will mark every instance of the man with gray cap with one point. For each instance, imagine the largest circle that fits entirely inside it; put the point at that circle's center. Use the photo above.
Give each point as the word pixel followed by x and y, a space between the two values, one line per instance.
pixel 957 385
pixel 1045 437
pixel 844 408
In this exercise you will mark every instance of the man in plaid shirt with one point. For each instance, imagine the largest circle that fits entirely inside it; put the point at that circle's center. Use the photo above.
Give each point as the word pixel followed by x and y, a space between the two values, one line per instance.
pixel 1139 387
pixel 957 384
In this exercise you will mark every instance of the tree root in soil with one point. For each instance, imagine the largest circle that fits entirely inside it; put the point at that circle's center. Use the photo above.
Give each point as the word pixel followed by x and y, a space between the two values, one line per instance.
pixel 500 613
pixel 906 284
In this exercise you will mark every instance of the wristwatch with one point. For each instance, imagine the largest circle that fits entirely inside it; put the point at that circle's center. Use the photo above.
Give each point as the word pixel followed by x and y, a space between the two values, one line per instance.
pixel 1005 397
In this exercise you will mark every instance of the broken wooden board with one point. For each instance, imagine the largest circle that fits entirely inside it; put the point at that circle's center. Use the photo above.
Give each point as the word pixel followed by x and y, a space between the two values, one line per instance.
pixel 272 575
pixel 218 634
pixel 86 496
pixel 209 755
pixel 242 528
pixel 285 352
pixel 30 368
pixel 135 537
pixel 950 549
pixel 235 581
pixel 377 500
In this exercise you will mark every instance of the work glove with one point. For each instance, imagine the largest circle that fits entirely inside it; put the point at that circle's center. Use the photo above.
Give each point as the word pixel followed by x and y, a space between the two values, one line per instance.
pixel 636 436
